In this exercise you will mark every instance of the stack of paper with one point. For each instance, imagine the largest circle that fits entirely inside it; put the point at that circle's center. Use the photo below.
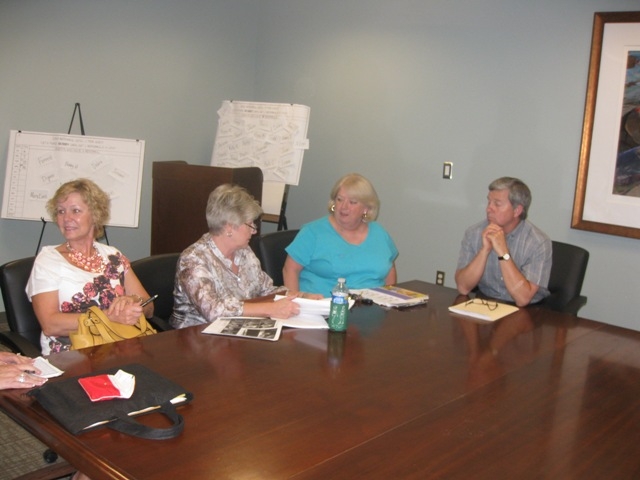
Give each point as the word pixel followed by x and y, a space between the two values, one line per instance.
pixel 46 369
pixel 312 313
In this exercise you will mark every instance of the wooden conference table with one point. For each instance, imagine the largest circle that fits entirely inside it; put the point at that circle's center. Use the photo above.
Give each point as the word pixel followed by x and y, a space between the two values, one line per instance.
pixel 417 393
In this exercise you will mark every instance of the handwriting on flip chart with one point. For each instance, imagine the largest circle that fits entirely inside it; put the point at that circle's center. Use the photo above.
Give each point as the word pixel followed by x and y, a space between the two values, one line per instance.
pixel 38 163
pixel 272 136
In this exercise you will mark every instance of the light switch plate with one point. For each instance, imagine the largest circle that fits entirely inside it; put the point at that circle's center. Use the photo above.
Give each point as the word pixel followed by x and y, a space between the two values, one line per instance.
pixel 447 170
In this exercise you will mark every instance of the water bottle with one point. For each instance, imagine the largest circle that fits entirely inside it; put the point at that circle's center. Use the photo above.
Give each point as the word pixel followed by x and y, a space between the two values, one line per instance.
pixel 339 307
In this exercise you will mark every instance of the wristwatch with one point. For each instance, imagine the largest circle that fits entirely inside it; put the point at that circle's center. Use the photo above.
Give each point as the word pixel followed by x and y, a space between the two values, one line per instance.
pixel 506 256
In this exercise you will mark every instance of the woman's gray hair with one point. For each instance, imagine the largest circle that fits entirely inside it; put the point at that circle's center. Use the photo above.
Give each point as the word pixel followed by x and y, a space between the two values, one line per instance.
pixel 519 193
pixel 359 188
pixel 230 204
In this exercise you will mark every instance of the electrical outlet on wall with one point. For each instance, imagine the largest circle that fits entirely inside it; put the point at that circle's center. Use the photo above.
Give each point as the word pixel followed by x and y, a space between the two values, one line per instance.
pixel 439 277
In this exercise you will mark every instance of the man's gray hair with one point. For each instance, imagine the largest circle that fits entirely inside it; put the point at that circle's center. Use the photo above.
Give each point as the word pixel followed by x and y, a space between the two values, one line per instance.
pixel 519 193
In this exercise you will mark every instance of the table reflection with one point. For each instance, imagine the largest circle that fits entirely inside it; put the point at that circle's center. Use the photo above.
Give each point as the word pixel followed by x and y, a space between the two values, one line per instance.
pixel 339 353
pixel 494 347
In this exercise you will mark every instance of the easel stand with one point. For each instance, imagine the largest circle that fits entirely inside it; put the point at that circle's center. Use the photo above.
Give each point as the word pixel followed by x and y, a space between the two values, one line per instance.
pixel 44 224
pixel 282 222
pixel 281 218
pixel 73 116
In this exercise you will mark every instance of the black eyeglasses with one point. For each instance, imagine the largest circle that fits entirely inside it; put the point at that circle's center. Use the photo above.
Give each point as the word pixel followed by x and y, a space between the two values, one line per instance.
pixel 252 226
pixel 481 301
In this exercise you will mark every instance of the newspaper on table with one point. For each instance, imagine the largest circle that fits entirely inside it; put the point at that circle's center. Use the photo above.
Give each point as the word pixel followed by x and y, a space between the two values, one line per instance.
pixel 246 327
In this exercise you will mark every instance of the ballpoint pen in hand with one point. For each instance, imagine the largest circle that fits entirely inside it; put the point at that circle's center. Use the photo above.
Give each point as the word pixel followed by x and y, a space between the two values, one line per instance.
pixel 149 300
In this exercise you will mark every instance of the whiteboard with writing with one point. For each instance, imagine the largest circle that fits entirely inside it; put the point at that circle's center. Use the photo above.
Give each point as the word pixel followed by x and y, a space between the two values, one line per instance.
pixel 38 163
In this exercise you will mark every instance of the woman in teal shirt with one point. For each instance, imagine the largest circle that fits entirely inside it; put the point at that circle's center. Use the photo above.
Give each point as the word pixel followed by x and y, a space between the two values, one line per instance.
pixel 346 243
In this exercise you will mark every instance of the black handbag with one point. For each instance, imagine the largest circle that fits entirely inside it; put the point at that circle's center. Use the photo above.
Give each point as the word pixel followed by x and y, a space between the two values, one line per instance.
pixel 70 405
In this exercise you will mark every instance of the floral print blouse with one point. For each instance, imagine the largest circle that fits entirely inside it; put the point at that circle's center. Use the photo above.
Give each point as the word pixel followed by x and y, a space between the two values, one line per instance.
pixel 77 289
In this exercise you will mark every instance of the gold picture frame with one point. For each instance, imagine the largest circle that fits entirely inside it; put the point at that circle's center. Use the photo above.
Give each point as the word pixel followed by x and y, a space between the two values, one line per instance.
pixel 602 202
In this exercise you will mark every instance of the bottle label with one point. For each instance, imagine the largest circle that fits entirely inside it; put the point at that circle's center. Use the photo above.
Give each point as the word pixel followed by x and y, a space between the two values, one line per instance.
pixel 340 299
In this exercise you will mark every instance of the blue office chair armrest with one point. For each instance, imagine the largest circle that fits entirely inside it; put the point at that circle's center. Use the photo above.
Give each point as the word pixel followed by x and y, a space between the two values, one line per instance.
pixel 160 324
pixel 18 344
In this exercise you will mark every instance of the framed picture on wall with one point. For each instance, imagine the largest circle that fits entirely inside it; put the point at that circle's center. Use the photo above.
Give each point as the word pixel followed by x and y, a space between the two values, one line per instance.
pixel 607 197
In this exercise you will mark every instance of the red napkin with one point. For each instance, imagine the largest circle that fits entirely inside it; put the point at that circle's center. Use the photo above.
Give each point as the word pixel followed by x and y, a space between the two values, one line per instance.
pixel 99 387
pixel 106 387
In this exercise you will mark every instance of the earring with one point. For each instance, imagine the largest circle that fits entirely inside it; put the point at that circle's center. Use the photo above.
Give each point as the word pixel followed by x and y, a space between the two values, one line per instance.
pixel 333 207
pixel 364 216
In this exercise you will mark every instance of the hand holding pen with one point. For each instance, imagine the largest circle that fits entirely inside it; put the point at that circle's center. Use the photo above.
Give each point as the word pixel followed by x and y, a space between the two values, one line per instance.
pixel 149 300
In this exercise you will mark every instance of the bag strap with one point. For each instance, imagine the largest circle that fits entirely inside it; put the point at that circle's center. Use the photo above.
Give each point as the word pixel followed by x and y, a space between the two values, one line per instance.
pixel 103 325
pixel 145 326
pixel 131 426
pixel 104 331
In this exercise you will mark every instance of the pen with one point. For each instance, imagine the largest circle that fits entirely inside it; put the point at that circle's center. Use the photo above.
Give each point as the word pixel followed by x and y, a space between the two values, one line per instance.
pixel 149 300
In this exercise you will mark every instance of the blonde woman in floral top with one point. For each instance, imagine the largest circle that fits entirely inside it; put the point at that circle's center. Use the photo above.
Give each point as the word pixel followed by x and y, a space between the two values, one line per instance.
pixel 219 272
pixel 69 278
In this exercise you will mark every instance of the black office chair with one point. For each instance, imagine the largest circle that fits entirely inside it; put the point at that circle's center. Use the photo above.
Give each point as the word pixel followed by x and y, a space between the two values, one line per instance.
pixel 157 274
pixel 270 251
pixel 567 275
pixel 24 329
pixel 24 337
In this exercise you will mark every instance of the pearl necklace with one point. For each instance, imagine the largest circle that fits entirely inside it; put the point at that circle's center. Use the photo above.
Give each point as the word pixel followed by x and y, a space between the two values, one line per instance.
pixel 94 263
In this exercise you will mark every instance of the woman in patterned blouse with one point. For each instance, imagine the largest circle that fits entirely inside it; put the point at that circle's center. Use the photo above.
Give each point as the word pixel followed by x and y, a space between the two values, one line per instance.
pixel 219 272
pixel 80 273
